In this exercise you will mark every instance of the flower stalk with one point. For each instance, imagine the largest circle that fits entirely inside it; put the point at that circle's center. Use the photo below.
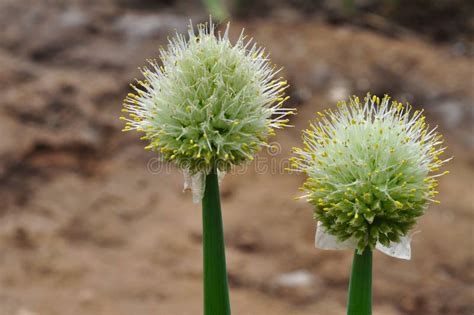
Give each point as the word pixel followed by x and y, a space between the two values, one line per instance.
pixel 208 105
pixel 216 291
pixel 359 300
pixel 373 169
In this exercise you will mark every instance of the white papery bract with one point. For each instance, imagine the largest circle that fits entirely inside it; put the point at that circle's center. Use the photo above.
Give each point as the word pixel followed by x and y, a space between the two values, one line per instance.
pixel 210 104
pixel 370 169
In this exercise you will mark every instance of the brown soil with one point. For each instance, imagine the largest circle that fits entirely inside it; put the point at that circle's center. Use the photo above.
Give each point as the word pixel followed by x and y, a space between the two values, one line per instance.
pixel 87 228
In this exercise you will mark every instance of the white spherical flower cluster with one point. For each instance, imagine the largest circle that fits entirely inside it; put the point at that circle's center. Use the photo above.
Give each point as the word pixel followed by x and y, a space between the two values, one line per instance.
pixel 369 169
pixel 210 104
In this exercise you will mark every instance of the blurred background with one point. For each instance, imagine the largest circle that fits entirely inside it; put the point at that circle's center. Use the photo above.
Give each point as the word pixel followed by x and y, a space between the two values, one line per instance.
pixel 86 227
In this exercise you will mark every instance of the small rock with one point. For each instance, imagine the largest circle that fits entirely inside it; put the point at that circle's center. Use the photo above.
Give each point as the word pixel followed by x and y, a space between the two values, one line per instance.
pixel 295 279
pixel 298 286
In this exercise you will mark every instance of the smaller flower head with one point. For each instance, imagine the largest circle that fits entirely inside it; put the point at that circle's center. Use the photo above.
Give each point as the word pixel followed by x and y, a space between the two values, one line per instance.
pixel 370 169
pixel 210 103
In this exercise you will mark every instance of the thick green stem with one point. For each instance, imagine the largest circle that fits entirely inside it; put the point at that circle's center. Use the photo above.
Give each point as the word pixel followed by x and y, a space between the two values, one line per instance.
pixel 360 286
pixel 216 292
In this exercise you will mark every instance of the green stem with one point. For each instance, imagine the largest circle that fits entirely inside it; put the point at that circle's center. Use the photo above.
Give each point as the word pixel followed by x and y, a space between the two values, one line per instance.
pixel 360 286
pixel 216 291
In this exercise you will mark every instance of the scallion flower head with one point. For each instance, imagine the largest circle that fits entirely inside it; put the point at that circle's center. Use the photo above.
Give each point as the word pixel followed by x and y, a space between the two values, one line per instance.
pixel 210 103
pixel 372 169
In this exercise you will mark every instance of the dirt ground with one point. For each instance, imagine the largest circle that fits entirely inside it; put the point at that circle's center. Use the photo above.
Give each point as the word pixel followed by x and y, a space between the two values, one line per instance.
pixel 89 226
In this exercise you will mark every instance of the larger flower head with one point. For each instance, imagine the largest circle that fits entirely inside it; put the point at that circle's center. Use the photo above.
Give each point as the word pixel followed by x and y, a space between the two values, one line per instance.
pixel 369 168
pixel 210 103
